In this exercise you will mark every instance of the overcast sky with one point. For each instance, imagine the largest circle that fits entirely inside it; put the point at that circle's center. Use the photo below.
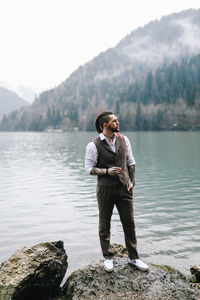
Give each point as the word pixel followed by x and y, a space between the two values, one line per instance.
pixel 44 41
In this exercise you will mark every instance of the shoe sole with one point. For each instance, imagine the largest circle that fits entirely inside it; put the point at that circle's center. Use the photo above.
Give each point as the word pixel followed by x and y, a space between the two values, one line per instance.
pixel 142 269
pixel 108 270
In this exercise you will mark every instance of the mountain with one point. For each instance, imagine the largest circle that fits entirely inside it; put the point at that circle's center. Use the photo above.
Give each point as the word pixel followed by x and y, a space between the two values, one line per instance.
pixel 28 93
pixel 9 101
pixel 100 83
pixel 168 98
pixel 25 92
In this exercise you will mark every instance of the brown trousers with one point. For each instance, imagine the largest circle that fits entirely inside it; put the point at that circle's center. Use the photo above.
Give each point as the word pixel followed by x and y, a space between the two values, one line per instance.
pixel 107 197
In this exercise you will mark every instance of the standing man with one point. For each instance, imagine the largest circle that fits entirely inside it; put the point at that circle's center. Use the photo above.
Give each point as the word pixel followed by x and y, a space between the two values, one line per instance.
pixel 109 156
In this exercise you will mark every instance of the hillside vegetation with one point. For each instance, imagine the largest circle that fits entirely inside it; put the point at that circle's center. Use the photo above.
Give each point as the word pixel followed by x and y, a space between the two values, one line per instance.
pixel 168 98
pixel 150 79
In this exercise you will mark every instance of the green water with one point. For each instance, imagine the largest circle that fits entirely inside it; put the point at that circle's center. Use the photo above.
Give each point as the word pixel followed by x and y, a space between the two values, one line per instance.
pixel 46 195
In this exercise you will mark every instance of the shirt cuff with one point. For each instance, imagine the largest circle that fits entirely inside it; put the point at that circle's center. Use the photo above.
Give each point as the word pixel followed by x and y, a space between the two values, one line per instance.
pixel 88 170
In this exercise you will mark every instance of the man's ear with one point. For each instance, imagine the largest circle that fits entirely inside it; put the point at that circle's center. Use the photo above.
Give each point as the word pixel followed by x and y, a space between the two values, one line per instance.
pixel 105 125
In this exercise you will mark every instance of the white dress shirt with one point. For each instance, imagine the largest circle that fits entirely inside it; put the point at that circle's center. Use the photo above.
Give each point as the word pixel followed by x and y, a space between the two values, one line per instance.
pixel 92 154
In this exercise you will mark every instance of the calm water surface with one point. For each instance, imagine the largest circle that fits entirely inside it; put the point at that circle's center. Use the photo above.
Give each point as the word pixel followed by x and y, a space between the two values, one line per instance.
pixel 45 195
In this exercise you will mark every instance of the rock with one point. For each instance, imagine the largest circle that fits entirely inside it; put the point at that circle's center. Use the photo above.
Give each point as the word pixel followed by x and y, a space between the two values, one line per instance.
pixel 195 270
pixel 119 250
pixel 126 282
pixel 33 272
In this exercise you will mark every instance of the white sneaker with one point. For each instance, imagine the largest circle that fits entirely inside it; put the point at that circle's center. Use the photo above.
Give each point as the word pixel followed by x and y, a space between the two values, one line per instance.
pixel 108 265
pixel 138 264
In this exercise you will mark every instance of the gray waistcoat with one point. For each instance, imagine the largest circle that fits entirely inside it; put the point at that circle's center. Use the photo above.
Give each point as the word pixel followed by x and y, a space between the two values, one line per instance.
pixel 107 159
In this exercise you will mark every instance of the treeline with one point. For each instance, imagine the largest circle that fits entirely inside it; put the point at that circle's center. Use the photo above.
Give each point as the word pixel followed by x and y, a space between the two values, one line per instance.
pixel 168 98
pixel 53 118
pixel 167 84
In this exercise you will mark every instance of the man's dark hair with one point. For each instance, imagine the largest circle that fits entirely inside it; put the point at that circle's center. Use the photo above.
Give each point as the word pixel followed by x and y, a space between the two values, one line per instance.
pixel 102 118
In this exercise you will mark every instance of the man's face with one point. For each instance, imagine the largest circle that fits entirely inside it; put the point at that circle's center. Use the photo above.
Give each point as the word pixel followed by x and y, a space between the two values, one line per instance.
pixel 113 124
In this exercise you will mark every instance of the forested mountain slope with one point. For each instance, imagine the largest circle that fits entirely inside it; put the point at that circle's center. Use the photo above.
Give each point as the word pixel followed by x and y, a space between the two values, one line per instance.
pixel 103 82
pixel 168 98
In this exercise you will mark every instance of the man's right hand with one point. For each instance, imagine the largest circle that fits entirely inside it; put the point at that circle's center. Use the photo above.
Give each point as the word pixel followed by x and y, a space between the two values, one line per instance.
pixel 114 171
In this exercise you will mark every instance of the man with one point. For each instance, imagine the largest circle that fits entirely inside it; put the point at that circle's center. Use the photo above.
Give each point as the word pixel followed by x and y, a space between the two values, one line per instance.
pixel 109 156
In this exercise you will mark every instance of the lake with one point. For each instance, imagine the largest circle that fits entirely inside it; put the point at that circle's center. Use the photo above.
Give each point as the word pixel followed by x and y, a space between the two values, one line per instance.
pixel 45 195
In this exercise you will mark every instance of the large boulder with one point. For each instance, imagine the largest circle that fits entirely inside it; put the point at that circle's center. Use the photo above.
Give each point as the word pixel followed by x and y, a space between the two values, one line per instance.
pixel 33 272
pixel 126 282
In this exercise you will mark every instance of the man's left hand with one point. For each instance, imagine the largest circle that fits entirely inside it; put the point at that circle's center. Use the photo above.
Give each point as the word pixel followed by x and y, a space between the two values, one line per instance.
pixel 131 186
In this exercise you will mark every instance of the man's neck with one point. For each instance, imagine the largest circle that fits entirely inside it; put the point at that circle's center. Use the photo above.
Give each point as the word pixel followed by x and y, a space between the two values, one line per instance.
pixel 108 134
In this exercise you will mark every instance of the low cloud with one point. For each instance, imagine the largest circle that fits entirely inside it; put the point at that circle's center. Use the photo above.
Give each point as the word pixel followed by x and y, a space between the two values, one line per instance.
pixel 153 52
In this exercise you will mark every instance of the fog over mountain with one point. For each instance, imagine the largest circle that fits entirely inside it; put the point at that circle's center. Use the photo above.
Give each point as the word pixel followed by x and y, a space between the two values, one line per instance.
pixel 25 92
pixel 100 82
pixel 172 38
pixel 10 101
pixel 164 40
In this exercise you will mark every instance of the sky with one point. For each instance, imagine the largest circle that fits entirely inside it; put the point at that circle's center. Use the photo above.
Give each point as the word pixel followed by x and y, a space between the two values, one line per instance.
pixel 44 41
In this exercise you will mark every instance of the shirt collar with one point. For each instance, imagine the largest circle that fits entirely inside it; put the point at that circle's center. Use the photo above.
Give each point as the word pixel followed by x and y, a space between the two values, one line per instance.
pixel 102 136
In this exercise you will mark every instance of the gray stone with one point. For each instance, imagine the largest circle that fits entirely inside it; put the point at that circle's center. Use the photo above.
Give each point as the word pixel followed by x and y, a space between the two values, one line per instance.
pixel 195 270
pixel 33 272
pixel 127 282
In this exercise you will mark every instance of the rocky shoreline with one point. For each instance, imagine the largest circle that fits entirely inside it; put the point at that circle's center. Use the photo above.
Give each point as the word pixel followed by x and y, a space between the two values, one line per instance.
pixel 36 273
